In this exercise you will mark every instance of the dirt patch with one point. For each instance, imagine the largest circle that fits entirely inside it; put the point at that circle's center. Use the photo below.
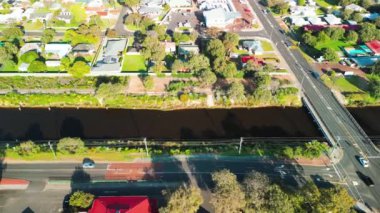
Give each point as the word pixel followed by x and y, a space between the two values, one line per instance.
pixel 131 171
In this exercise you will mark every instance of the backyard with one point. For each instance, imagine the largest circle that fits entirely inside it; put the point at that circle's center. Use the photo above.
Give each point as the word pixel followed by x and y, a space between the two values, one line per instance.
pixel 134 63
pixel 335 45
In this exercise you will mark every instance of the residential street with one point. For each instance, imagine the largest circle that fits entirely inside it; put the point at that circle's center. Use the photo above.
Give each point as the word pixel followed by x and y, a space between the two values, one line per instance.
pixel 344 130
pixel 52 181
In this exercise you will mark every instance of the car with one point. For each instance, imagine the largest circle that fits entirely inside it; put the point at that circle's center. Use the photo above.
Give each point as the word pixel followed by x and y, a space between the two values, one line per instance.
pixel 282 31
pixel 366 179
pixel 363 161
pixel 88 164
pixel 265 11
pixel 315 74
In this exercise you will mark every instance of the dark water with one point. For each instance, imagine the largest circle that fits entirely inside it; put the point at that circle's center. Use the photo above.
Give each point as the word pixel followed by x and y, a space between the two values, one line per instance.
pixel 368 118
pixel 181 124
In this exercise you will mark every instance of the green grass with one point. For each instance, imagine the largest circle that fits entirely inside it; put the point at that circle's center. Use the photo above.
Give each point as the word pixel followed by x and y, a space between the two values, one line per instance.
pixel 134 63
pixel 131 40
pixel 267 46
pixel 133 27
pixel 345 85
pixel 335 45
pixel 326 3
pixel 240 52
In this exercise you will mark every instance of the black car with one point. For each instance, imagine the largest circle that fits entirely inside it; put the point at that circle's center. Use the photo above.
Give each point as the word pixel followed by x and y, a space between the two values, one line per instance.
pixel 367 180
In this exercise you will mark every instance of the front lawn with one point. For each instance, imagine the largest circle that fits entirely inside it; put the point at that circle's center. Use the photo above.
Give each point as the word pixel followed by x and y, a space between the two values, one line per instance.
pixel 267 46
pixel 335 45
pixel 134 63
pixel 326 3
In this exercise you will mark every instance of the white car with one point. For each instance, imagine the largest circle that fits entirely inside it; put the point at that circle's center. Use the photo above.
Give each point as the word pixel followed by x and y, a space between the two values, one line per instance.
pixel 363 162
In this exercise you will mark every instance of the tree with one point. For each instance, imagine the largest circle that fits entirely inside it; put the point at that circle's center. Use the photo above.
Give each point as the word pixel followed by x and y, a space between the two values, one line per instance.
pixel 374 86
pixel 96 20
pixel 148 82
pixel 215 49
pixel 47 35
pixel 337 33
pixel 78 13
pixel 367 32
pixel 70 145
pixel 255 186
pixel 178 65
pixel 357 17
pixel 352 36
pixel 230 41
pixel 309 39
pixel 185 198
pixel 278 201
pixel 207 77
pixel 314 149
pixel 322 37
pixel 37 66
pixel 81 199
pixel 329 54
pixel 65 63
pixel 377 22
pixel 153 50
pixel 236 91
pixel 375 69
pixel 346 15
pixel 366 3
pixel 213 32
pixel 335 200
pixel 28 148
pixel 4 55
pixel 12 33
pixel 227 196
pixel 225 68
pixel 198 62
pixel 79 69
pixel 161 32
pixel 109 90
pixel 131 4
pixel 29 56
pixel 301 2
pixel 11 48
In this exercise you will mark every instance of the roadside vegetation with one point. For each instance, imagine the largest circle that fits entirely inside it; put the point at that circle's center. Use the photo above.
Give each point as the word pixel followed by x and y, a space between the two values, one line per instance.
pixel 259 193
pixel 77 149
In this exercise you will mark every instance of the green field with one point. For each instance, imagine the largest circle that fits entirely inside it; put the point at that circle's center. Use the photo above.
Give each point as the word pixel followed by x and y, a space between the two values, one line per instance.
pixel 134 63
pixel 335 45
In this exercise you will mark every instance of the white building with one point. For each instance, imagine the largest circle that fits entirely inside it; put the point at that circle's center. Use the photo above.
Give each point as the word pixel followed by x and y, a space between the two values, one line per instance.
pixel 298 21
pixel 316 21
pixel 219 17
pixel 57 49
pixel 332 20
pixel 354 7
pixel 305 11
pixel 179 3
pixel 14 16
pixel 214 4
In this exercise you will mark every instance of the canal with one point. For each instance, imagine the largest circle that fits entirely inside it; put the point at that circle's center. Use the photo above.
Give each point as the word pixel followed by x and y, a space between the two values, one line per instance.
pixel 40 124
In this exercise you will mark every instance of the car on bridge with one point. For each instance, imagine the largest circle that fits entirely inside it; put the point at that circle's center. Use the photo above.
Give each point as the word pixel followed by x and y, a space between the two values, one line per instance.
pixel 366 179
pixel 363 161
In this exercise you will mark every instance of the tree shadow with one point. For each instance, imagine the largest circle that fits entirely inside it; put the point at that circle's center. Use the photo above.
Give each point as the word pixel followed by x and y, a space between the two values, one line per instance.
pixel 34 132
pixel 106 79
pixel 71 127
pixel 3 165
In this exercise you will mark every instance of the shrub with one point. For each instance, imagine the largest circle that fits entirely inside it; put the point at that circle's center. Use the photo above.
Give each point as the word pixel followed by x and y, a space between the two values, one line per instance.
pixel 184 97
pixel 28 148
pixel 148 82
pixel 70 145
pixel 81 199
pixel 29 56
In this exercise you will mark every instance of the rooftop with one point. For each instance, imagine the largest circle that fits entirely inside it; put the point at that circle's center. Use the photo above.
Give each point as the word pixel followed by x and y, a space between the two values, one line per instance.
pixel 374 46
pixel 123 204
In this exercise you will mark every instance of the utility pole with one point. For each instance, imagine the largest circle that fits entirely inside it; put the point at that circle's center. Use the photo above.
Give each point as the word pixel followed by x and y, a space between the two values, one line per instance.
pixel 240 144
pixel 52 150
pixel 146 147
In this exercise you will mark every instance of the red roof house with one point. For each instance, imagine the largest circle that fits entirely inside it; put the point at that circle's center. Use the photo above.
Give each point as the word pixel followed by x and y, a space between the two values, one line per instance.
pixel 374 46
pixel 246 58
pixel 124 204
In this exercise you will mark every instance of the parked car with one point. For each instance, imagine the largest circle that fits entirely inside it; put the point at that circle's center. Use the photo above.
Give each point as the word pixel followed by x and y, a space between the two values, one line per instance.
pixel 265 11
pixel 315 74
pixel 363 161
pixel 88 164
pixel 367 180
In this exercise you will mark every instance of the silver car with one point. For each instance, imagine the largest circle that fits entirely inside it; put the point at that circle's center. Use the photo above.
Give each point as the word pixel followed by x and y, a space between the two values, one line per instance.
pixel 363 162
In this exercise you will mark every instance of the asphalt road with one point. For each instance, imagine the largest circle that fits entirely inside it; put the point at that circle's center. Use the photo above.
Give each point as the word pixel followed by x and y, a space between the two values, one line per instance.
pixel 170 173
pixel 346 133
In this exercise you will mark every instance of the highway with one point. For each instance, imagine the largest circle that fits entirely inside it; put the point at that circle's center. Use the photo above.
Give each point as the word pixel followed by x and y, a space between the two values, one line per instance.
pixel 52 181
pixel 346 134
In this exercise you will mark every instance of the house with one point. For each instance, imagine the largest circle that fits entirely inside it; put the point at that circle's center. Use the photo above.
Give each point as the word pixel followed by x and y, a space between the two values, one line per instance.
pixel 370 16
pixel 213 4
pixel 40 16
pixel 292 3
pixel 65 16
pixel 57 50
pixel 170 47
pixel 298 21
pixel 113 50
pixel 374 46
pixel 316 21
pixel 14 16
pixel 55 6
pixel 253 46
pixel 186 49
pixel 153 12
pixel 351 22
pixel 305 11
pixel 95 3
pixel 219 17
pixel 124 204
pixel 38 4
pixel 53 63
pixel 354 7
pixel 83 49
pixel 332 20
pixel 179 3
pixel 29 46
